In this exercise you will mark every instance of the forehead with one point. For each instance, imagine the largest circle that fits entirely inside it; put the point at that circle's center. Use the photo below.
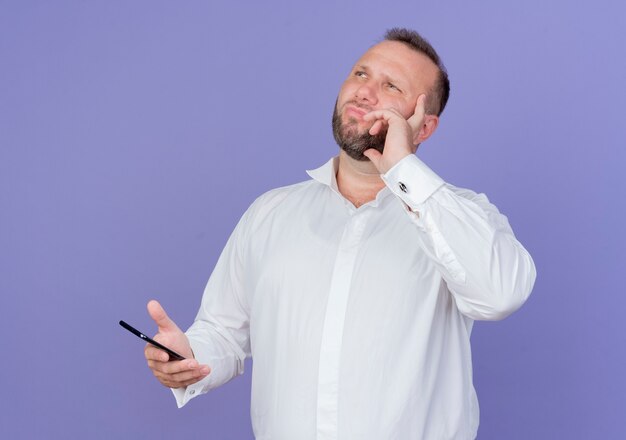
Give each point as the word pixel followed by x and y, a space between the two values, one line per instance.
pixel 399 61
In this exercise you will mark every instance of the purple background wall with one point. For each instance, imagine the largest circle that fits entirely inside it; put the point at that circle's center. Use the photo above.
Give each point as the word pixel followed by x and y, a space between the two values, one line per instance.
pixel 134 134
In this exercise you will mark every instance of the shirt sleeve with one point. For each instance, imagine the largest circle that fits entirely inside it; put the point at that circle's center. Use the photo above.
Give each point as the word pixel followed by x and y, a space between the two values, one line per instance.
pixel 219 336
pixel 487 270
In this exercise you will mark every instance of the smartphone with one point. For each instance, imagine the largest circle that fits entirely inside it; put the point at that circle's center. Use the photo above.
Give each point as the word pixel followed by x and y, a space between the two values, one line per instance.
pixel 133 330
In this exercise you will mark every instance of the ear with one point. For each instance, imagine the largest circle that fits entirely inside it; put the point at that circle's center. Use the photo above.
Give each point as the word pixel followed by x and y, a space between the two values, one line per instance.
pixel 429 125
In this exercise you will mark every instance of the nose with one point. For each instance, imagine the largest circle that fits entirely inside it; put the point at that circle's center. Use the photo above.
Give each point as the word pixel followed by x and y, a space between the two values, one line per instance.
pixel 366 93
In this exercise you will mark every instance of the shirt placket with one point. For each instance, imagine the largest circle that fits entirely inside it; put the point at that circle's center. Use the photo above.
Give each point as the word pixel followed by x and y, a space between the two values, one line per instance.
pixel 332 333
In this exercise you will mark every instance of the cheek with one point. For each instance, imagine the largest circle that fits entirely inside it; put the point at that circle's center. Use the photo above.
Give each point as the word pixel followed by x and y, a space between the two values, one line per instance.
pixel 403 107
pixel 341 99
pixel 346 92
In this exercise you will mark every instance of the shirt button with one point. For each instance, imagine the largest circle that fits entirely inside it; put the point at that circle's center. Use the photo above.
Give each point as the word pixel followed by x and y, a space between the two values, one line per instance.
pixel 192 392
pixel 403 187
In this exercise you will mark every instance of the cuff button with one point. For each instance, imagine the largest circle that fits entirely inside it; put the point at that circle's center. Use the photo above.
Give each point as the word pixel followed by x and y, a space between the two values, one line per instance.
pixel 403 187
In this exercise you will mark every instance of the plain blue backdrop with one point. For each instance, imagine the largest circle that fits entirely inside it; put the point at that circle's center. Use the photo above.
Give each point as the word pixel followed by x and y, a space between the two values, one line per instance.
pixel 134 134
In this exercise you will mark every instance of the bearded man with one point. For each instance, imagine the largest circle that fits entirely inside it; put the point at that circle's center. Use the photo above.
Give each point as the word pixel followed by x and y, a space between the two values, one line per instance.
pixel 355 292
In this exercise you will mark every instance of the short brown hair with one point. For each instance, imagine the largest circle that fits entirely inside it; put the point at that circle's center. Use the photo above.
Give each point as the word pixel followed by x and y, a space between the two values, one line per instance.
pixel 436 102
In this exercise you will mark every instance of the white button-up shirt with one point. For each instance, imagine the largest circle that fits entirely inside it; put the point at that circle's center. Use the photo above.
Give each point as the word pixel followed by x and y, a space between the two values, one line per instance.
pixel 358 320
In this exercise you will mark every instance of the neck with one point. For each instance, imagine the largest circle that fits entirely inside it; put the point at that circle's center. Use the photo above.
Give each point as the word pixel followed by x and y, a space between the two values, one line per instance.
pixel 358 181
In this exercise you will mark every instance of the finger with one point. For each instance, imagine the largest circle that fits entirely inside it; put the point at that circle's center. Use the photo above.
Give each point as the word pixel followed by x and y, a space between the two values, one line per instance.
pixel 420 105
pixel 386 114
pixel 373 155
pixel 190 382
pixel 165 381
pixel 377 127
pixel 181 379
pixel 152 353
pixel 417 118
pixel 157 313
pixel 195 374
pixel 171 384
pixel 173 367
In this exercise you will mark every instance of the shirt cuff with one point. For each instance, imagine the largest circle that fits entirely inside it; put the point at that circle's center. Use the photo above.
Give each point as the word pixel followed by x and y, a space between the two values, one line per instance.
pixel 412 181
pixel 184 395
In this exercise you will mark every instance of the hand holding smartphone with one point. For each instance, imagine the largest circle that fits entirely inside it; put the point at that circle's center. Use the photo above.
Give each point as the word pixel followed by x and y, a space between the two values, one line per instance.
pixel 173 355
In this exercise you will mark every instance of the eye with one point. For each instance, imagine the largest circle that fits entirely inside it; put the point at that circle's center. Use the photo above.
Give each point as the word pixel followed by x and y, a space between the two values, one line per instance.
pixel 393 87
pixel 360 74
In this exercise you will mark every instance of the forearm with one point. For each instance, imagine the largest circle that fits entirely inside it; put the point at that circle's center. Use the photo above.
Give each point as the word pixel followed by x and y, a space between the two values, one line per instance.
pixel 216 348
pixel 487 270
pixel 219 336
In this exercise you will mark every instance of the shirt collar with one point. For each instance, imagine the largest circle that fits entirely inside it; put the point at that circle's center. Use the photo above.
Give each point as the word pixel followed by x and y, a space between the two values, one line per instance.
pixel 327 175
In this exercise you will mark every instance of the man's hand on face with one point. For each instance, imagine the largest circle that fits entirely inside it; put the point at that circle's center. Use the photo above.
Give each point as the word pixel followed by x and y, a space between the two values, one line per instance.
pixel 172 374
pixel 402 134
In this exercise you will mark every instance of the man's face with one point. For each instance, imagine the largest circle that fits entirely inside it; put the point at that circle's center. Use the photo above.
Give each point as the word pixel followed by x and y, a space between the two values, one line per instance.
pixel 388 75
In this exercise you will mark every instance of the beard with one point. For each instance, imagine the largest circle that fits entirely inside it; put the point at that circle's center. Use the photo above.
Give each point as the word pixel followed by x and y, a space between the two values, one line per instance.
pixel 351 141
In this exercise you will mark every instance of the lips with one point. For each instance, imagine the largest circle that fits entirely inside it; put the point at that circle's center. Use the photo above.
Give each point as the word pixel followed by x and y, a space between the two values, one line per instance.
pixel 355 111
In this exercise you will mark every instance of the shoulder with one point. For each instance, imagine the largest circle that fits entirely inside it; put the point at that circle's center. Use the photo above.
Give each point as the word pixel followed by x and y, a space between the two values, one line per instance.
pixel 278 201
pixel 277 196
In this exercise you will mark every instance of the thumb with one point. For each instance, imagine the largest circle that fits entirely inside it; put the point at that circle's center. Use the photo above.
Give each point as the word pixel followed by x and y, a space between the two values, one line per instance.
pixel 157 313
pixel 374 156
